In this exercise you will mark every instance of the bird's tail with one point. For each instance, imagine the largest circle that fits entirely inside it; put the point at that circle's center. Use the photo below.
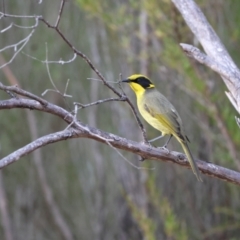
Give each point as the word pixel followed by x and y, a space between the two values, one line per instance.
pixel 191 160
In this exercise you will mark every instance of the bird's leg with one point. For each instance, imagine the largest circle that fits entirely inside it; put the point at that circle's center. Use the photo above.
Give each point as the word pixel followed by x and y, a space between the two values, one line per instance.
pixel 153 140
pixel 165 145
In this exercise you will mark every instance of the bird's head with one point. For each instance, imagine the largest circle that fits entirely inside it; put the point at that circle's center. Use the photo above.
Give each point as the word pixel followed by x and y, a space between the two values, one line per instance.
pixel 139 83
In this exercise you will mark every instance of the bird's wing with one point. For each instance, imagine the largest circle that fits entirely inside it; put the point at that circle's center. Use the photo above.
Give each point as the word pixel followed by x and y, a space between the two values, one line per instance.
pixel 169 118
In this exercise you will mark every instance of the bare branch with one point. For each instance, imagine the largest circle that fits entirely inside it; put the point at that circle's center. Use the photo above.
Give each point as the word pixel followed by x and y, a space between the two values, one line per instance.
pixel 22 44
pixel 99 102
pixel 126 160
pixel 201 57
pixel 35 105
pixel 48 71
pixel 37 159
pixel 79 53
pixel 50 62
pixel 81 130
pixel 5 29
pixel 212 46
pixel 65 90
pixel 51 80
pixel 82 55
pixel 78 129
pixel 60 13
pixel 40 142
pixel 2 14
pixel 145 151
pixel 24 93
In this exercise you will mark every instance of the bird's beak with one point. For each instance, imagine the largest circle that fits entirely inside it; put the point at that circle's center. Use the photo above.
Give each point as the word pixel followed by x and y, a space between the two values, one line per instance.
pixel 126 80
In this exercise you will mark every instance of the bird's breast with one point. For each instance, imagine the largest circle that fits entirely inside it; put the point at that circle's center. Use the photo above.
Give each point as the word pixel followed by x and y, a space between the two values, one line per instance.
pixel 150 116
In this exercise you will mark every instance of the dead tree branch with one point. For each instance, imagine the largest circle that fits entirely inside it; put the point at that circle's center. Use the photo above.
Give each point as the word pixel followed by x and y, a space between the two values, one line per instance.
pixel 91 65
pixel 217 57
pixel 81 130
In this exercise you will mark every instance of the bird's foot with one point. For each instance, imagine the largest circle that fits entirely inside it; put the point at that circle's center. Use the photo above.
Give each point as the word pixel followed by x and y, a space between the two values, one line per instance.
pixel 166 149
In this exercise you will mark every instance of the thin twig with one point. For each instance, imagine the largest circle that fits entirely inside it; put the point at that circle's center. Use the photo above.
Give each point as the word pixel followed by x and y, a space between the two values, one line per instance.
pixel 79 53
pixel 60 13
pixel 52 82
pixel 123 98
pixel 126 160
pixel 37 159
pixel 48 71
pixel 74 120
pixel 7 28
pixel 81 130
pixel 220 60
pixel 65 91
pixel 2 14
pixel 99 80
pixel 50 62
pixel 15 46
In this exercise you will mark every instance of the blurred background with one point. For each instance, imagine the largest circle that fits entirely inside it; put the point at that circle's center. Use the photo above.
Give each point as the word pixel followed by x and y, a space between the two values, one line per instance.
pixel 82 189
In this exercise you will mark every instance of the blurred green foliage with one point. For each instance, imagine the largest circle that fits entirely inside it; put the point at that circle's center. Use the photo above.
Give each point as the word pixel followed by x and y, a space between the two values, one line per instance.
pixel 99 195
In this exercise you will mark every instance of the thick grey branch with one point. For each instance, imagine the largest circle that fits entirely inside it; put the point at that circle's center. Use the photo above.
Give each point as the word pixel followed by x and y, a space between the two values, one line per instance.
pixel 201 57
pixel 143 150
pixel 212 45
pixel 40 142
pixel 22 92
pixel 32 104
pixel 81 130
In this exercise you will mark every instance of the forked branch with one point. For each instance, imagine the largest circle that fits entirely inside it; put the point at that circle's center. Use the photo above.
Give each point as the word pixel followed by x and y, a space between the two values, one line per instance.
pixel 217 58
pixel 80 130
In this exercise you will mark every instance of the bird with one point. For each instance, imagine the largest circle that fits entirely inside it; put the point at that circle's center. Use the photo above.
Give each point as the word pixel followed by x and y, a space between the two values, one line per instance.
pixel 160 114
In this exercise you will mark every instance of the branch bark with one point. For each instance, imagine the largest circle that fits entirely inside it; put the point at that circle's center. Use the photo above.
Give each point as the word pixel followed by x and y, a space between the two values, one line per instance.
pixel 59 220
pixel 82 130
pixel 217 57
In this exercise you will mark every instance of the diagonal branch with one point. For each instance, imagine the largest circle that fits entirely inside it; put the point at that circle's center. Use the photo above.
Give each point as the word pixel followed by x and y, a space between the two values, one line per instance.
pixel 82 55
pixel 48 195
pixel 60 13
pixel 80 105
pixel 81 130
pixel 208 61
pixel 143 150
pixel 91 65
pixel 40 142
pixel 212 45
pixel 35 105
